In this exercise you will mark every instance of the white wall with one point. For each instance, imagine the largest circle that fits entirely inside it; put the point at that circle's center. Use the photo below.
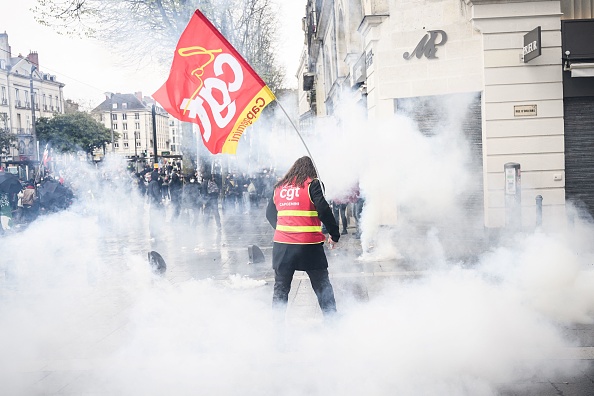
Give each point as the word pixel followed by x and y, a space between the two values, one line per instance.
pixel 535 142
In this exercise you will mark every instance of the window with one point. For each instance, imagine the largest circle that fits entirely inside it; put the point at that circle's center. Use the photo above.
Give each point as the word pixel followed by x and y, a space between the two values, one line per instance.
pixel 137 125
pixel 137 144
pixel 3 94
pixel 125 144
pixel 114 116
pixel 125 136
pixel 51 101
pixel 124 116
pixel 116 145
pixel 114 126
pixel 124 105
pixel 44 101
pixel 17 95
pixel 125 126
pixel 26 98
pixel 137 116
pixel 114 105
pixel 136 135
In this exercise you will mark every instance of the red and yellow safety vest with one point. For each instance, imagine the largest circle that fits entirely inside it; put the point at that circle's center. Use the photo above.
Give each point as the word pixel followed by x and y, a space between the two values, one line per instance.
pixel 297 218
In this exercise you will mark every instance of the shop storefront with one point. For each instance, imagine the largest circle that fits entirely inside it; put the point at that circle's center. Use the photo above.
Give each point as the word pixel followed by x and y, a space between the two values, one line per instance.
pixel 578 97
pixel 507 56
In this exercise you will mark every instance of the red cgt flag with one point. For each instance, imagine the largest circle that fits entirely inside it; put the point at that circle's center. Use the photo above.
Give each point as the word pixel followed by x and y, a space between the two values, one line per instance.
pixel 211 85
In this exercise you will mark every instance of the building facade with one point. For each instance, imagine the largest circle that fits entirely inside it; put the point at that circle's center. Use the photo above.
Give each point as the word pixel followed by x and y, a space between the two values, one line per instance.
pixel 175 136
pixel 130 118
pixel 527 67
pixel 26 94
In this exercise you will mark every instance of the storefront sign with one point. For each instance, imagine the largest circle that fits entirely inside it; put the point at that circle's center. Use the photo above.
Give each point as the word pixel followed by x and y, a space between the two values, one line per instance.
pixel 359 71
pixel 369 58
pixel 532 42
pixel 427 45
pixel 524 110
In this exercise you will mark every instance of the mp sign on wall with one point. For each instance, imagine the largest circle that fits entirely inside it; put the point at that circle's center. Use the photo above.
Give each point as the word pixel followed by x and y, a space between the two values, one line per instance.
pixel 531 47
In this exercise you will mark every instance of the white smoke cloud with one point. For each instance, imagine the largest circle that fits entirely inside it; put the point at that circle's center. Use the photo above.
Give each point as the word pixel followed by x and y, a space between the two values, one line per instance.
pixel 81 311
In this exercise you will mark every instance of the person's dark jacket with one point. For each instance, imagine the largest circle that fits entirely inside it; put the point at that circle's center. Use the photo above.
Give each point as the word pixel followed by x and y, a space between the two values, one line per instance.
pixel 191 195
pixel 175 187
pixel 324 211
pixel 154 192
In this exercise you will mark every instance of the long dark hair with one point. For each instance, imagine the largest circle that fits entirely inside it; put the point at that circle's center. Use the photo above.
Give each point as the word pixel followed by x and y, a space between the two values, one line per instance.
pixel 301 170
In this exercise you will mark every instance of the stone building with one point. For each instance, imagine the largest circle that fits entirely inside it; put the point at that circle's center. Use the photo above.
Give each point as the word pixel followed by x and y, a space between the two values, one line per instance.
pixel 26 94
pixel 527 67
pixel 130 116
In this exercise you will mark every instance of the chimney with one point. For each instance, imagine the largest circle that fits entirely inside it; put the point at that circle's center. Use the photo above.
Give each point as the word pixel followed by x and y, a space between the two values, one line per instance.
pixel 138 95
pixel 33 57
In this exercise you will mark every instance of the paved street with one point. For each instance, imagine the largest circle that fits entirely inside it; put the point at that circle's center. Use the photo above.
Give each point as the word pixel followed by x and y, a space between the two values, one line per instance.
pixel 126 332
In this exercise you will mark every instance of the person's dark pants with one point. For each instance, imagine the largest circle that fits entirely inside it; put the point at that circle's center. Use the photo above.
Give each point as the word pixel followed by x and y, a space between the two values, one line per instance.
pixel 320 282
pixel 176 203
pixel 340 208
pixel 212 208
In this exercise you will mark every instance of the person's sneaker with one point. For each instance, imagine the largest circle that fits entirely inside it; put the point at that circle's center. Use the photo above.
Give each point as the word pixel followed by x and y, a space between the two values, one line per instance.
pixel 344 232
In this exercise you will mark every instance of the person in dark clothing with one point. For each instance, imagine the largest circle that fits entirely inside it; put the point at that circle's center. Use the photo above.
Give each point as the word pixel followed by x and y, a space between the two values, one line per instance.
pixel 156 212
pixel 140 184
pixel 154 190
pixel 296 211
pixel 212 203
pixel 192 200
pixel 175 189
pixel 339 207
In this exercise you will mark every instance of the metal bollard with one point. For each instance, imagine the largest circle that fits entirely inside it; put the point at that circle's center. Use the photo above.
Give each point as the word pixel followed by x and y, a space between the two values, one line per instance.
pixel 539 211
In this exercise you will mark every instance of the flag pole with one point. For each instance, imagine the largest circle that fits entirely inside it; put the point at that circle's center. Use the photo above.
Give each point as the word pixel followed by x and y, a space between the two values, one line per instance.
pixel 300 137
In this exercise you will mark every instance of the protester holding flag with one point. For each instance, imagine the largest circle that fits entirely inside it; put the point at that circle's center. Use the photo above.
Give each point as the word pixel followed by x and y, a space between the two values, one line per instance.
pixel 296 211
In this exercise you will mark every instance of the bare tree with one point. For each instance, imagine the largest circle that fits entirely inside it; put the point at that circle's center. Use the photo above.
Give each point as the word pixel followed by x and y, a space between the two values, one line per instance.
pixel 148 30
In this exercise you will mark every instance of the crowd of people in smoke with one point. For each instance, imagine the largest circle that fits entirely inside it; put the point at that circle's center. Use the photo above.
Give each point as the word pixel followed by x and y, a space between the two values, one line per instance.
pixel 34 197
pixel 196 197
pixel 202 194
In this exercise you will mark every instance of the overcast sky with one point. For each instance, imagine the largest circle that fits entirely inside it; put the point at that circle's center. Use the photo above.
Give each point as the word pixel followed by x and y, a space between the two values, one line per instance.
pixel 88 69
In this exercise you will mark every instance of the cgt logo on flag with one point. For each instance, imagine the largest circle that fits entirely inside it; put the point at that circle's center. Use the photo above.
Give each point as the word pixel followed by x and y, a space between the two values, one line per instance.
pixel 211 85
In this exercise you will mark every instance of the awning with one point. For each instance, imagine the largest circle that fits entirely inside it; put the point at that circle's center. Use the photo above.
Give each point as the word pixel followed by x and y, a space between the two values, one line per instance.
pixel 582 69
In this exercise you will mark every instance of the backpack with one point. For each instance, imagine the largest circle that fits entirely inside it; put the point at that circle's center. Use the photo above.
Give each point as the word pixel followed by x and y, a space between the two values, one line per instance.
pixel 251 188
pixel 212 187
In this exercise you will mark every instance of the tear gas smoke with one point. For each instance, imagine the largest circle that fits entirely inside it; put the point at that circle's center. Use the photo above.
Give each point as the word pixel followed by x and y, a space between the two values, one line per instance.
pixel 78 296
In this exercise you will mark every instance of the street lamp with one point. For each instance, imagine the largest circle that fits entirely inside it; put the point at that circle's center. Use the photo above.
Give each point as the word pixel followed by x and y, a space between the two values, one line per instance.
pixel 110 95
